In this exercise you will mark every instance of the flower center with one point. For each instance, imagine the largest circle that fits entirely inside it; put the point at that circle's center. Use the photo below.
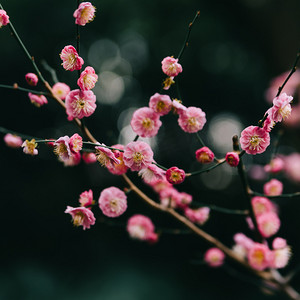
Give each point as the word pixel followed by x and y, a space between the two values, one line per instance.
pixel 138 157
pixel 160 106
pixel 192 121
pixel 114 205
pixel 255 141
pixel 78 219
pixel 285 111
pixel 147 123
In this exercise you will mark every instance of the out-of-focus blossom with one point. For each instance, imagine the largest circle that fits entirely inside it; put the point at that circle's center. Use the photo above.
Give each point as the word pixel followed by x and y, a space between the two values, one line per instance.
pixel 214 257
pixel 13 141
pixel 198 216
pixel 4 18
pixel 273 187
pixel 37 100
pixel 60 90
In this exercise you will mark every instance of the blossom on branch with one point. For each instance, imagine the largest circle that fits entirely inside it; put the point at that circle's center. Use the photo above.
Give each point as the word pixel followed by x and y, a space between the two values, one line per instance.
pixel 192 119
pixel 273 187
pixel 86 199
pixel 81 216
pixel 84 14
pixel 71 60
pixel 232 158
pixel 161 104
pixel 281 108
pixel 37 100
pixel 214 257
pixel 118 168
pixel 29 147
pixel 170 66
pixel 31 79
pixel 87 79
pixel 4 18
pixel 13 141
pixel 204 155
pixel 175 175
pixel 105 156
pixel 60 90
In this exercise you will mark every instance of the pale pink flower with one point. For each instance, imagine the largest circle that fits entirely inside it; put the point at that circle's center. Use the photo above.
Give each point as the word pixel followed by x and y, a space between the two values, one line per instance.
pixel 31 79
pixel 175 175
pixel 81 216
pixel 161 104
pixel 60 90
pixel 214 257
pixel 141 228
pixel 178 107
pixel 170 66
pixel 13 141
pixel 37 100
pixel 87 79
pixel 71 60
pixel 84 14
pixel 75 143
pixel 281 108
pixel 72 161
pixel 232 158
pixel 86 199
pixel 112 202
pixel 80 104
pixel 259 256
pixel 244 241
pixel 273 187
pixel 280 257
pixel 279 243
pixel 204 155
pixel 268 224
pixel 151 173
pixel 292 166
pixel 4 18
pixel 261 205
pixel 275 166
pixel 268 123
pixel 169 197
pixel 145 122
pixel 137 155
pixel 62 148
pixel 105 156
pixel 29 147
pixel 160 184
pixel 183 200
pixel 198 216
pixel 117 168
pixel 254 140
pixel 89 157
pixel 192 119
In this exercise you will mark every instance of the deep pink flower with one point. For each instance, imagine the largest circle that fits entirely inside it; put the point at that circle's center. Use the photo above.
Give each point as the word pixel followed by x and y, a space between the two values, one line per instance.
pixel 89 157
pixel 161 104
pixel 105 156
pixel 141 228
pixel 4 18
pixel 232 158
pixel 259 256
pixel 87 79
pixel 13 141
pixel 204 155
pixel 281 108
pixel 86 199
pixel 60 90
pixel 112 202
pixel 29 147
pixel 268 123
pixel 62 148
pixel 84 14
pixel 72 161
pixel 170 66
pixel 214 257
pixel 192 119
pixel 71 60
pixel 254 140
pixel 268 224
pixel 145 122
pixel 273 187
pixel 198 216
pixel 117 168
pixel 31 79
pixel 262 205
pixel 137 155
pixel 75 143
pixel 80 104
pixel 81 216
pixel 37 100
pixel 175 175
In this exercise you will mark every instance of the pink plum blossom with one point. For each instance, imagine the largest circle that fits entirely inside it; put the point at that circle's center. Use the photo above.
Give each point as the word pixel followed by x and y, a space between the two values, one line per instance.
pixel 31 79
pixel 112 202
pixel 183 200
pixel 87 79
pixel 169 197
pixel 261 205
pixel 89 157
pixel 268 224
pixel 204 155
pixel 281 108
pixel 243 241
pixel 117 168
pixel 13 141
pixel 161 104
pixel 175 175
pixel 168 82
pixel 214 257
pixel 29 147
pixel 62 148
pixel 178 107
pixel 159 185
pixel 141 228
pixel 4 18
pixel 86 199
pixel 75 143
pixel 137 156
pixel 105 156
pixel 232 158
pixel 84 14
pixel 259 256
pixel 60 90
pixel 254 140
pixel 280 257
pixel 80 104
pixel 275 166
pixel 72 161
pixel 292 166
pixel 152 172
pixel 192 119
pixel 273 187
pixel 37 100
pixel 71 60
pixel 170 66
pixel 198 216
pixel 279 243
pixel 268 123
pixel 81 216
pixel 145 122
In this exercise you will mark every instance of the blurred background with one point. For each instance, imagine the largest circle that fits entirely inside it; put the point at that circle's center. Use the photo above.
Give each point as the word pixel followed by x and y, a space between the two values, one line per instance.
pixel 236 48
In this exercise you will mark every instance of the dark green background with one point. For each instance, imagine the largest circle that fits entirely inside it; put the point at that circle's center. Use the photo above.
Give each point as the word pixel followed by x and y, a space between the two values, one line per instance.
pixel 236 47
